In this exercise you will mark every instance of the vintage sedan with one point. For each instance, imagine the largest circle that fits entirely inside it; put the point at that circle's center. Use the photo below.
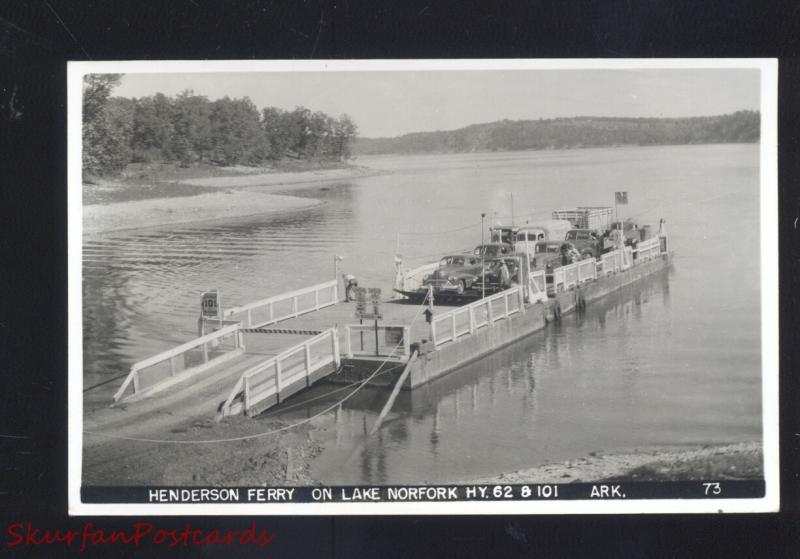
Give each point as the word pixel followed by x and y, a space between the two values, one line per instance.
pixel 456 273
pixel 547 255
pixel 492 276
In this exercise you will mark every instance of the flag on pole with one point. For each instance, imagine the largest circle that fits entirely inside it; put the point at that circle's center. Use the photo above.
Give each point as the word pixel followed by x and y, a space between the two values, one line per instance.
pixel 621 197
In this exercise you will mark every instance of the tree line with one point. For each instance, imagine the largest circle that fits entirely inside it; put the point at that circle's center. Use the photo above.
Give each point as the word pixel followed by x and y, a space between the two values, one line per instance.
pixel 561 133
pixel 189 128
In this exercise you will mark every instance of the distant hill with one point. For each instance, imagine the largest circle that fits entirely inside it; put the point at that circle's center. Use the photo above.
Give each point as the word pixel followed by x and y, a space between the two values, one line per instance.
pixel 575 132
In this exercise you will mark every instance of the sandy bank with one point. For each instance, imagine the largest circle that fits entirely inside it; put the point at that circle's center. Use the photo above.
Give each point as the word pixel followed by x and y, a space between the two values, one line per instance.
pixel 103 218
pixel 280 180
pixel 734 461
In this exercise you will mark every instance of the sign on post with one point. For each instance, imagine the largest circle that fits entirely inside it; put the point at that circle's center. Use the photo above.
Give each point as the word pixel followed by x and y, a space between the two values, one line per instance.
pixel 368 302
pixel 621 198
pixel 210 307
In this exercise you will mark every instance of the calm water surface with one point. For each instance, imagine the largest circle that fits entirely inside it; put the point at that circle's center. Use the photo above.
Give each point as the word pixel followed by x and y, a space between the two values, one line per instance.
pixel 674 361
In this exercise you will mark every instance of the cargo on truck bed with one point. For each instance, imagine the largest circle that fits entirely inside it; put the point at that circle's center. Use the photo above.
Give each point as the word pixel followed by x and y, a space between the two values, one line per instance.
pixel 597 218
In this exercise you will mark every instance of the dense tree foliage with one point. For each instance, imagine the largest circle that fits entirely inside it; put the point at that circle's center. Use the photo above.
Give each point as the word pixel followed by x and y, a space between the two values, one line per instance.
pixel 190 128
pixel 507 135
pixel 106 125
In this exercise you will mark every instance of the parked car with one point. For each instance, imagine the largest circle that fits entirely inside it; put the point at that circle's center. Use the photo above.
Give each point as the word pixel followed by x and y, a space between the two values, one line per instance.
pixel 491 277
pixel 586 241
pixel 546 255
pixel 493 250
pixel 456 273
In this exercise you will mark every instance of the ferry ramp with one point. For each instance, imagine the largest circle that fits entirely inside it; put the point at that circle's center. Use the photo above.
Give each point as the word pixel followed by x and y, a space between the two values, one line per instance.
pixel 255 356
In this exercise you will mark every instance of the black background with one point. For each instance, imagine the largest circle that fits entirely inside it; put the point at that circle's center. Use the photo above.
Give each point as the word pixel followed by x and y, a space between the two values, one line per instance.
pixel 37 38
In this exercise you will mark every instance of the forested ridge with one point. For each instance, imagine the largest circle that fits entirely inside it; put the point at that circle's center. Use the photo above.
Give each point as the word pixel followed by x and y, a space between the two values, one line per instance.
pixel 576 132
pixel 189 129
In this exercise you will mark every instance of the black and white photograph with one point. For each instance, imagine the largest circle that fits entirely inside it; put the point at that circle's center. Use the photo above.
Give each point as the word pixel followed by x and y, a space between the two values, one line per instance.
pixel 423 287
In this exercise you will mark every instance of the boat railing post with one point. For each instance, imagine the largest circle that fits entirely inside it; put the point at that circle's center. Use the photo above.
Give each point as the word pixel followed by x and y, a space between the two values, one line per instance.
pixel 308 363
pixel 246 391
pixel 278 380
pixel 135 381
pixel 347 344
pixel 406 341
pixel 453 322
pixel 471 310
pixel 489 312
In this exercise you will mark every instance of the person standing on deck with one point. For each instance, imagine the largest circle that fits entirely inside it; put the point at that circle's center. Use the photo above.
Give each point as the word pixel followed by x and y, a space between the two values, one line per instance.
pixel 505 276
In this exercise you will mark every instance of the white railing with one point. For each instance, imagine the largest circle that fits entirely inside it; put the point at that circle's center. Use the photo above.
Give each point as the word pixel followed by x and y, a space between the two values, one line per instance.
pixel 468 319
pixel 537 286
pixel 285 370
pixel 284 306
pixel 183 361
pixel 575 274
pixel 389 341
pixel 615 261
pixel 649 249
pixel 411 280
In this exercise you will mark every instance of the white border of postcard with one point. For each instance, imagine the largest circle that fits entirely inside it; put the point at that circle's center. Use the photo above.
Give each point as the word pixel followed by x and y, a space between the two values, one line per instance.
pixel 769 293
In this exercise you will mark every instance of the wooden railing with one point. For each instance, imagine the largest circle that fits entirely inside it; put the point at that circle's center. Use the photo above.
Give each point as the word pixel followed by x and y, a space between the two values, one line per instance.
pixel 284 371
pixel 468 319
pixel 360 339
pixel 575 274
pixel 285 306
pixel 181 362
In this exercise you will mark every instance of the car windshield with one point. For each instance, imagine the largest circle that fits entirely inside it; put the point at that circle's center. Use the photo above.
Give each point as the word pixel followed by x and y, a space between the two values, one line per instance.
pixel 452 261
pixel 491 250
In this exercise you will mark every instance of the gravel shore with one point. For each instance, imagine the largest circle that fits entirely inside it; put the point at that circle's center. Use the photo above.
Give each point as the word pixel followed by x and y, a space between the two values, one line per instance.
pixel 718 462
pixel 226 205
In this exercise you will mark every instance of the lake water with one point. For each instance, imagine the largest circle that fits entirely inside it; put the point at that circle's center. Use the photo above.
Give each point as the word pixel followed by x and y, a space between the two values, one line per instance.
pixel 674 361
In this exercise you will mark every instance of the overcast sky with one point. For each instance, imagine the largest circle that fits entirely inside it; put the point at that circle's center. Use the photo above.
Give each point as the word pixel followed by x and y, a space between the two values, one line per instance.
pixel 393 103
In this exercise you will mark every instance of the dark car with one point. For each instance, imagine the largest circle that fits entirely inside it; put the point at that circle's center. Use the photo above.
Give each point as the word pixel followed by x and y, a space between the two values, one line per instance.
pixel 493 250
pixel 547 255
pixel 586 241
pixel 492 276
pixel 456 273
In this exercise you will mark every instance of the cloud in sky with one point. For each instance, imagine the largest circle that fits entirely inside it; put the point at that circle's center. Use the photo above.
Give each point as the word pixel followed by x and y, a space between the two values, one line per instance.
pixel 392 103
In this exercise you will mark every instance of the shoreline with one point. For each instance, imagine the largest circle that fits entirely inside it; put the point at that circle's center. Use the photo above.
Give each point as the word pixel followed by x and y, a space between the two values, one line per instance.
pixel 282 179
pixel 219 198
pixel 692 462
pixel 165 212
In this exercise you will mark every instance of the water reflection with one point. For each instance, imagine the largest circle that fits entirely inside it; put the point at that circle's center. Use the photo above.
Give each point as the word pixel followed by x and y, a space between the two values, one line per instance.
pixel 508 408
